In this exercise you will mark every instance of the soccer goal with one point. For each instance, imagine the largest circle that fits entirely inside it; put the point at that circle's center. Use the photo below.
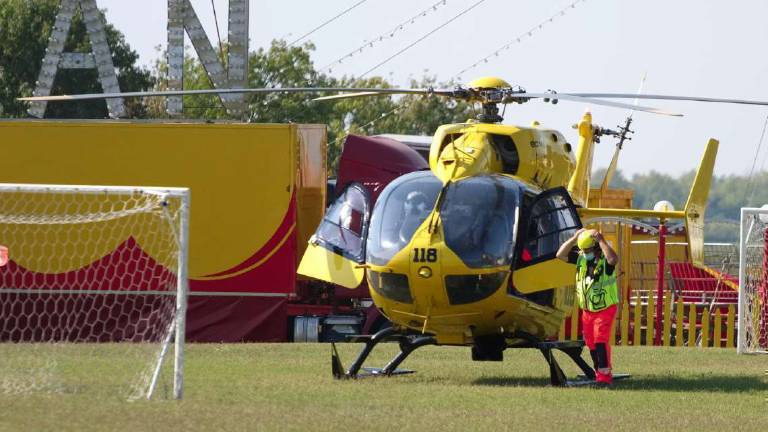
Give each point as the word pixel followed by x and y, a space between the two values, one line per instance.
pixel 93 297
pixel 753 281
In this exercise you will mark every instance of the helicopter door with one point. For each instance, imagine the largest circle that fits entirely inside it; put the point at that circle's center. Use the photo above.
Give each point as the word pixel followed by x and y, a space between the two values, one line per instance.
pixel 338 246
pixel 551 220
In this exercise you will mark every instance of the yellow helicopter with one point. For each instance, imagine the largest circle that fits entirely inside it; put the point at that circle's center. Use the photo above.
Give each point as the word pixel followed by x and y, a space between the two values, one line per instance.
pixel 463 254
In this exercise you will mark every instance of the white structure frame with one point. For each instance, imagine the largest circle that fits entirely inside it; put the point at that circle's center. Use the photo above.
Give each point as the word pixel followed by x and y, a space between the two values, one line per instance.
pixel 741 344
pixel 182 288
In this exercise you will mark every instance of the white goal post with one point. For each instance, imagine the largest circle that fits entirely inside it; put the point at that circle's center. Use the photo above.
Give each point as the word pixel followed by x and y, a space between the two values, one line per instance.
pixel 753 282
pixel 94 295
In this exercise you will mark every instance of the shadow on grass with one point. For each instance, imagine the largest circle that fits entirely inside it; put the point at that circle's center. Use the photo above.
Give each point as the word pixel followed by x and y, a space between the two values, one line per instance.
pixel 712 383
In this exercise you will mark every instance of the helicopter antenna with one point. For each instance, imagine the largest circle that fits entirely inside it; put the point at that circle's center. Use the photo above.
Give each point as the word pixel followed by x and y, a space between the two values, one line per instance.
pixel 623 135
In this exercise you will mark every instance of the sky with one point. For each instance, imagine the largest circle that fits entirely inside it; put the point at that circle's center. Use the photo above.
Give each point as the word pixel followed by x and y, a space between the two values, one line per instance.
pixel 685 47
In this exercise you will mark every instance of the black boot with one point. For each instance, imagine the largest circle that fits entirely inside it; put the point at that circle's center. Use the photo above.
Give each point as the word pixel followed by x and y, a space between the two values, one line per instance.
pixel 593 354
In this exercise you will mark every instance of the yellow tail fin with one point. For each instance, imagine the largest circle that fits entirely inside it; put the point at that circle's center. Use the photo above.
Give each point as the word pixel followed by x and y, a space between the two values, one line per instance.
pixel 694 207
pixel 578 186
pixel 697 203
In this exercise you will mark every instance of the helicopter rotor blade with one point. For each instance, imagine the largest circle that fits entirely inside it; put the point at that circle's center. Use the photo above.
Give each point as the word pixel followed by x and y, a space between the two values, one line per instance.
pixel 91 96
pixel 620 144
pixel 349 96
pixel 386 92
pixel 639 92
pixel 591 100
pixel 670 97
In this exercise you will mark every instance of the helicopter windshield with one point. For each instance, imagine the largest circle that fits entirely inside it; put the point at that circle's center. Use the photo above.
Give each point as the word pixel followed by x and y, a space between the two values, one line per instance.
pixel 479 216
pixel 401 208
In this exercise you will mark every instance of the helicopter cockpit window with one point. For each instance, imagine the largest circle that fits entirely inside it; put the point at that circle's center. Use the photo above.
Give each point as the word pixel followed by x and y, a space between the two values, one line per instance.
pixel 553 220
pixel 401 208
pixel 343 227
pixel 479 216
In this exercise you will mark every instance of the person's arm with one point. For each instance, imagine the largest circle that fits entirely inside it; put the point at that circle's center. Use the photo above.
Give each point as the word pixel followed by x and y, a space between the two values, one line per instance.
pixel 610 254
pixel 566 247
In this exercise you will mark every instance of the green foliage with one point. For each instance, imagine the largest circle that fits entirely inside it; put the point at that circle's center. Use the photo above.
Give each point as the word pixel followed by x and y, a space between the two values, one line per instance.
pixel 24 28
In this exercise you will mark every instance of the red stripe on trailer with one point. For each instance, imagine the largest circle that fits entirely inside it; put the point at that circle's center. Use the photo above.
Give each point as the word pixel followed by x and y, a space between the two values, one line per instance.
pixel 237 319
pixel 283 230
pixel 102 274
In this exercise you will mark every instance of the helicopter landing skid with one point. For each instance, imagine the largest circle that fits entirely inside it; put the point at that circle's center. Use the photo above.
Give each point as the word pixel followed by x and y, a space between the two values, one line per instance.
pixel 572 349
pixel 408 343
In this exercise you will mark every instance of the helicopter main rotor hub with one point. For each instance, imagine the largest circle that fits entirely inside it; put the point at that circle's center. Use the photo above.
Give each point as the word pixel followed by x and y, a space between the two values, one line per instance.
pixel 490 98
pixel 490 113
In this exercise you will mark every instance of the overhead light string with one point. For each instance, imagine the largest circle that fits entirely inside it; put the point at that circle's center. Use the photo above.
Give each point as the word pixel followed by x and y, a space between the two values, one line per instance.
pixel 383 36
pixel 520 37
pixel 388 59
pixel 339 15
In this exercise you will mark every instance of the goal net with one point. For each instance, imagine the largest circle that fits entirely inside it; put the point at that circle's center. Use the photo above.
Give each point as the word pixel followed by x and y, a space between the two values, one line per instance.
pixel 93 296
pixel 753 281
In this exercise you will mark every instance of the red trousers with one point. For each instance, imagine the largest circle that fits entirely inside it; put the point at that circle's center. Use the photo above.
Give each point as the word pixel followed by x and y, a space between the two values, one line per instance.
pixel 596 327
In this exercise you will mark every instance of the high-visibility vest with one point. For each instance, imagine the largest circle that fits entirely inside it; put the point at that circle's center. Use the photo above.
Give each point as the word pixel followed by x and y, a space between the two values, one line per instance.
pixel 598 290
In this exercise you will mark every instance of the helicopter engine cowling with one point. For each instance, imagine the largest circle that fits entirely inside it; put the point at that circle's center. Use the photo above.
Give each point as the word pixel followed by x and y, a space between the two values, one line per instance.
pixel 533 154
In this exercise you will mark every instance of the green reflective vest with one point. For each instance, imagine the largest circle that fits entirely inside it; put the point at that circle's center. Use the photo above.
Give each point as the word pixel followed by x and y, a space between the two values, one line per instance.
pixel 598 290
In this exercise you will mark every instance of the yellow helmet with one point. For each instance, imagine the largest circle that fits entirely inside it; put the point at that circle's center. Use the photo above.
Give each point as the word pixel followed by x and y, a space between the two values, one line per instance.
pixel 585 240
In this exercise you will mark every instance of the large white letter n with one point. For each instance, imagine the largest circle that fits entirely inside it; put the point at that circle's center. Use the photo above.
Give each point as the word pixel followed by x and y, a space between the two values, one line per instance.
pixel 181 17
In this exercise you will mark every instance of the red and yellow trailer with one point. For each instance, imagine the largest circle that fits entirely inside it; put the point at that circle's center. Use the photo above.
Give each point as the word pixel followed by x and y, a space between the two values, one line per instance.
pixel 258 192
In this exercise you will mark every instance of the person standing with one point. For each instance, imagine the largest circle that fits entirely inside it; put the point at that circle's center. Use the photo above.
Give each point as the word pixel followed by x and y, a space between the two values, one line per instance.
pixel 598 295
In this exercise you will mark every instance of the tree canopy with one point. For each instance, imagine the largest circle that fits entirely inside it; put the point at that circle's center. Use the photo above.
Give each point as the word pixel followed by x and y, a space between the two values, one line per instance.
pixel 24 30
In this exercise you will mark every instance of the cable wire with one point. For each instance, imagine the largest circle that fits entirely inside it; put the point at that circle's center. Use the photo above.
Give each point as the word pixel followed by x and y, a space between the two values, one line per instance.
pixel 523 35
pixel 339 15
pixel 218 33
pixel 404 105
pixel 750 186
pixel 386 35
pixel 422 38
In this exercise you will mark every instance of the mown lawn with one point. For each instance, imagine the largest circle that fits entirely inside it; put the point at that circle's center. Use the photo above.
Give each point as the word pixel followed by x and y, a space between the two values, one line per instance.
pixel 289 387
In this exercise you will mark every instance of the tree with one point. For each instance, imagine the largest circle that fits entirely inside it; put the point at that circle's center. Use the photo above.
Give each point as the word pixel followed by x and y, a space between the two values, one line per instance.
pixel 24 28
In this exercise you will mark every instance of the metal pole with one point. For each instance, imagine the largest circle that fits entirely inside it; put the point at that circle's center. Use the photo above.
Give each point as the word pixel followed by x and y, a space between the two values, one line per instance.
pixel 741 336
pixel 762 299
pixel 181 299
pixel 660 282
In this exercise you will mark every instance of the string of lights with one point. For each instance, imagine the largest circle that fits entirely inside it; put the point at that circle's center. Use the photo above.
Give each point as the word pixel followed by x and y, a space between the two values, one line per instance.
pixel 388 59
pixel 520 37
pixel 339 15
pixel 384 36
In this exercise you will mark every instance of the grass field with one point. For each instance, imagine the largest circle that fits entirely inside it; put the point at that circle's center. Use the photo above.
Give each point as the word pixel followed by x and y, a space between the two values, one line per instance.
pixel 289 387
